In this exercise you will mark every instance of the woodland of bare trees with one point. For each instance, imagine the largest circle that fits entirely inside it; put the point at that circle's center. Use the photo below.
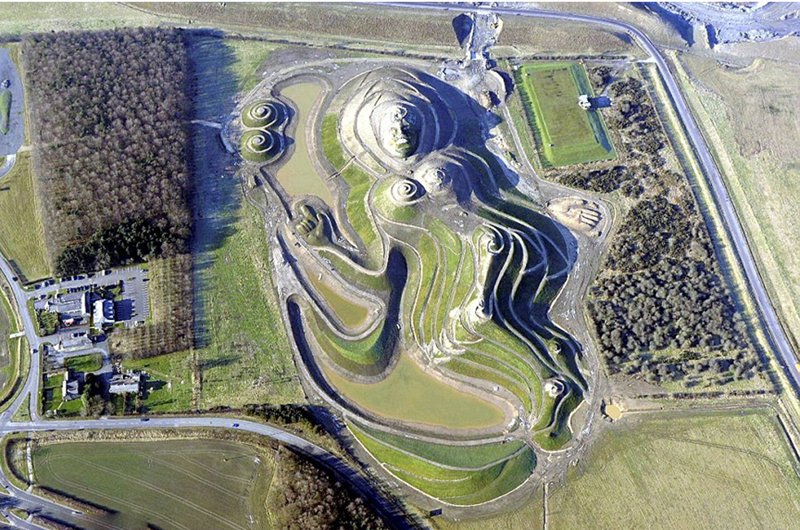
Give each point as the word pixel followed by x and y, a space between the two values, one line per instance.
pixel 312 499
pixel 661 288
pixel 108 119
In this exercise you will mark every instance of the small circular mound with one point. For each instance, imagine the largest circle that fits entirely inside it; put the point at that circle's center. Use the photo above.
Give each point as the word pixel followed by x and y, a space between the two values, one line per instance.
pixel 262 113
pixel 494 243
pixel 406 191
pixel 436 180
pixel 554 387
pixel 259 146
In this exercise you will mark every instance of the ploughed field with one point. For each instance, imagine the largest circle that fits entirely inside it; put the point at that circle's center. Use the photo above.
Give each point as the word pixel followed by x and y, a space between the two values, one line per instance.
pixel 175 484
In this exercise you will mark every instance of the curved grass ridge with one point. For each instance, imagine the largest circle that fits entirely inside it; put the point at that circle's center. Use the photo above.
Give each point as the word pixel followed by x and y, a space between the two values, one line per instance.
pixel 472 312
pixel 465 475
pixel 523 266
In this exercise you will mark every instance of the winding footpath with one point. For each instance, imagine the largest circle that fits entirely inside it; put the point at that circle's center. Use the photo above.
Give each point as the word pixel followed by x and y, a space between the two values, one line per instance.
pixel 776 335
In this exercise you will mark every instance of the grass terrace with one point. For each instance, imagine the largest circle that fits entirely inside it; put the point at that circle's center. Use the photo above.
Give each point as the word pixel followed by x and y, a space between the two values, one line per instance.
pixel 477 474
pixel 408 394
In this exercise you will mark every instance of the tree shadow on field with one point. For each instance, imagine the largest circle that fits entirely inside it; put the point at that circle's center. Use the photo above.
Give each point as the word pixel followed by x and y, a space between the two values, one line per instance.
pixel 217 195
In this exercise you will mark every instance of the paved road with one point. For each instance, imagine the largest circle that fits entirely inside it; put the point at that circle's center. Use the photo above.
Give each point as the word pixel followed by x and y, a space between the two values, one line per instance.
pixel 340 468
pixel 778 338
pixel 34 341
pixel 776 334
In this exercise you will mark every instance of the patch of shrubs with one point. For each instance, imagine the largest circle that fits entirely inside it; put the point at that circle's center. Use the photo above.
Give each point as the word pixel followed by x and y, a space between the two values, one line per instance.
pixel 636 121
pixel 108 114
pixel 690 366
pixel 600 76
pixel 676 304
pixel 285 414
pixel 661 287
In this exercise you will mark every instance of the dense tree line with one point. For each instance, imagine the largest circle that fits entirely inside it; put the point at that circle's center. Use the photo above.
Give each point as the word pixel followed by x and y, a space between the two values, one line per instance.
pixel 108 113
pixel 120 244
pixel 312 499
pixel 660 289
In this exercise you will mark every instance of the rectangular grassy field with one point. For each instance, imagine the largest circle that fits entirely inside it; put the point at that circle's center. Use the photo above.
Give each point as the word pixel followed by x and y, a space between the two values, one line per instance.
pixel 168 483
pixel 566 133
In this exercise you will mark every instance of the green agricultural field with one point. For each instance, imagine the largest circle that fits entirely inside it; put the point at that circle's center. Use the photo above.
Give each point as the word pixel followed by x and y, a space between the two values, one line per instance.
pixel 21 231
pixel 22 17
pixel 711 471
pixel 167 484
pixel 85 363
pixel 748 117
pixel 409 394
pixel 567 134
pixel 714 471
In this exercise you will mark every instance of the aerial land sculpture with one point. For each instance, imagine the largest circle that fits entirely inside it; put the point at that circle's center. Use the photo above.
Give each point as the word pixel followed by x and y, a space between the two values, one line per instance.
pixel 418 297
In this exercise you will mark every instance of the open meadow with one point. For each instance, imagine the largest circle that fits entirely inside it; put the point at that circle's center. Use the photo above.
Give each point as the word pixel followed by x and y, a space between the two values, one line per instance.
pixel 242 351
pixel 748 115
pixel 21 232
pixel 668 471
pixel 684 470
pixel 172 484
pixel 567 134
